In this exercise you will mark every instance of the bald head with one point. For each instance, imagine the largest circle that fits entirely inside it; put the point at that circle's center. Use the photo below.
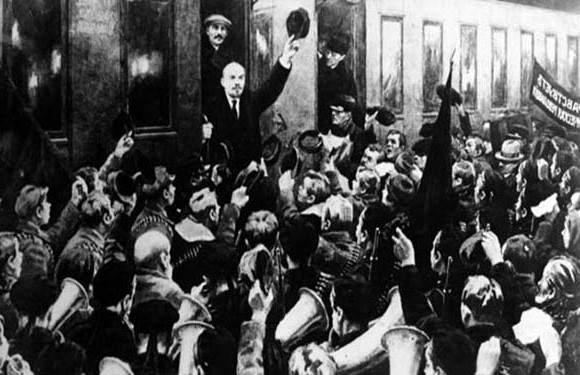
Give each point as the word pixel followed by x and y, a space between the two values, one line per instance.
pixel 150 247
pixel 234 79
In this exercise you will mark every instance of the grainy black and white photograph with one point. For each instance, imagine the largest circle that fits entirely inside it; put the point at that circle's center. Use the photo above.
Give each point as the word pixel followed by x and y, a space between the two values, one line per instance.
pixel 289 187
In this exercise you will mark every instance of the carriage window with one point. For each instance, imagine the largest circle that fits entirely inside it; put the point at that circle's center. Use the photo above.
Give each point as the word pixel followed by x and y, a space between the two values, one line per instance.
pixel 552 55
pixel 573 63
pixel 148 43
pixel 34 58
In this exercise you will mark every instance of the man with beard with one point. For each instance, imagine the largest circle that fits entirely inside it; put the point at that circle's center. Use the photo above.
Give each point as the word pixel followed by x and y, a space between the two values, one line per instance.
pixel 214 54
pixel 234 114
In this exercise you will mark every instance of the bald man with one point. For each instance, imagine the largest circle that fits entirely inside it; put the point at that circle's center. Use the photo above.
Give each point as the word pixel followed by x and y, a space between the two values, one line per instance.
pixel 234 114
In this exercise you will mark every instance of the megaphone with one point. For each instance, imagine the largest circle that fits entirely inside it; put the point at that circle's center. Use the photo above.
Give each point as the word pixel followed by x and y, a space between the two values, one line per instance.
pixel 404 345
pixel 73 297
pixel 187 334
pixel 192 309
pixel 114 366
pixel 306 316
pixel 365 354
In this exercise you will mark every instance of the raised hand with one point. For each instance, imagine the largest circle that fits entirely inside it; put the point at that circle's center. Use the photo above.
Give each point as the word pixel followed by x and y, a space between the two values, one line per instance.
pixel 404 250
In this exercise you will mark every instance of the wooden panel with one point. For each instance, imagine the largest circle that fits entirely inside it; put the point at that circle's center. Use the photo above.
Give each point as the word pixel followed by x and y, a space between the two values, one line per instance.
pixel 527 63
pixel 468 69
pixel 392 63
pixel 432 64
pixel 552 56
pixel 572 71
pixel 498 68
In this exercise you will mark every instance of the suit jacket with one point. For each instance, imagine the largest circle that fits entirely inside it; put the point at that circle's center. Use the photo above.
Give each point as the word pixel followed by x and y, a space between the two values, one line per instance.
pixel 332 82
pixel 243 134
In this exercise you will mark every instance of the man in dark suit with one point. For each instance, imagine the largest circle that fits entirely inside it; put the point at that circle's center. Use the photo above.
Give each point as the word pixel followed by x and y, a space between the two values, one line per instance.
pixel 234 114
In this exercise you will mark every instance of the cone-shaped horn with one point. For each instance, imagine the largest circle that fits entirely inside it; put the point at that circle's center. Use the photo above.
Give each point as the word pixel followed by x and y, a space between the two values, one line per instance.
pixel 365 354
pixel 192 309
pixel 404 346
pixel 73 297
pixel 187 333
pixel 308 315
pixel 114 366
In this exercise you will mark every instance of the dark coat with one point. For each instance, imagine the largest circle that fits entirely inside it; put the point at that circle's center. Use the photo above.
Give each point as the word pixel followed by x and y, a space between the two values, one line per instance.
pixel 104 334
pixel 41 247
pixel 515 357
pixel 332 82
pixel 212 64
pixel 243 134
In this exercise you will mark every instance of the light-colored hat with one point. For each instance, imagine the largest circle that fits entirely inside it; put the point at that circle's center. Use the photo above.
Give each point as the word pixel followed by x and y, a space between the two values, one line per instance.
pixel 511 151
pixel 217 18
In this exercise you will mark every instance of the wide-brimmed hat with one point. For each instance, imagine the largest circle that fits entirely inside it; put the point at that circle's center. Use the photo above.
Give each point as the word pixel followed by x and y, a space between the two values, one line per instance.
pixel 511 151
pixel 298 23
pixel 347 102
pixel 384 116
pixel 217 18
pixel 271 149
pixel 310 141
pixel 122 186
pixel 162 179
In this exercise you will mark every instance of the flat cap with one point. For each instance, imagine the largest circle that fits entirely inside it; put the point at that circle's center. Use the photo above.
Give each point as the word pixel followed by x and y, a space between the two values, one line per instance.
pixel 217 18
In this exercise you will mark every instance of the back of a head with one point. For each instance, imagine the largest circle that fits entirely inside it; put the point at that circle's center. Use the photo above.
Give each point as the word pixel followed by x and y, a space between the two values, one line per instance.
pixel 562 273
pixel 453 351
pixel 405 162
pixel 93 208
pixel 33 295
pixel 338 213
pixel 466 171
pixel 219 261
pixel 573 178
pixel 494 186
pixel 113 282
pixel 353 297
pixel 368 181
pixel 66 358
pixel 320 186
pixel 78 263
pixel 450 242
pixel 89 175
pixel 217 350
pixel 484 298
pixel 261 228
pixel 520 251
pixel 375 216
pixel 311 359
pixel 299 238
pixel 149 246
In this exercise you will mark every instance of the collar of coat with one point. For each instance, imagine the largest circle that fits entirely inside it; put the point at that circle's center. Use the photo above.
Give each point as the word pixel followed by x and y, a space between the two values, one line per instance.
pixel 192 231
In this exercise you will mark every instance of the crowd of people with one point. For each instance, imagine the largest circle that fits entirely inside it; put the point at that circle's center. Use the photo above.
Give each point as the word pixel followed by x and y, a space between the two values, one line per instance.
pixel 318 264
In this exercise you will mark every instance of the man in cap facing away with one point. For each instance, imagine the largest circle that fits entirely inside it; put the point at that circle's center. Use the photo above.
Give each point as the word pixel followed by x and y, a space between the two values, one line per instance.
pixel 41 247
pixel 106 332
pixel 159 195
pixel 215 54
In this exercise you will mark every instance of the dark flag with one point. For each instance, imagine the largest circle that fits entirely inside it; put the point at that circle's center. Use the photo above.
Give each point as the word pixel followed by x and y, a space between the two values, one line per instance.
pixel 434 200
pixel 27 156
